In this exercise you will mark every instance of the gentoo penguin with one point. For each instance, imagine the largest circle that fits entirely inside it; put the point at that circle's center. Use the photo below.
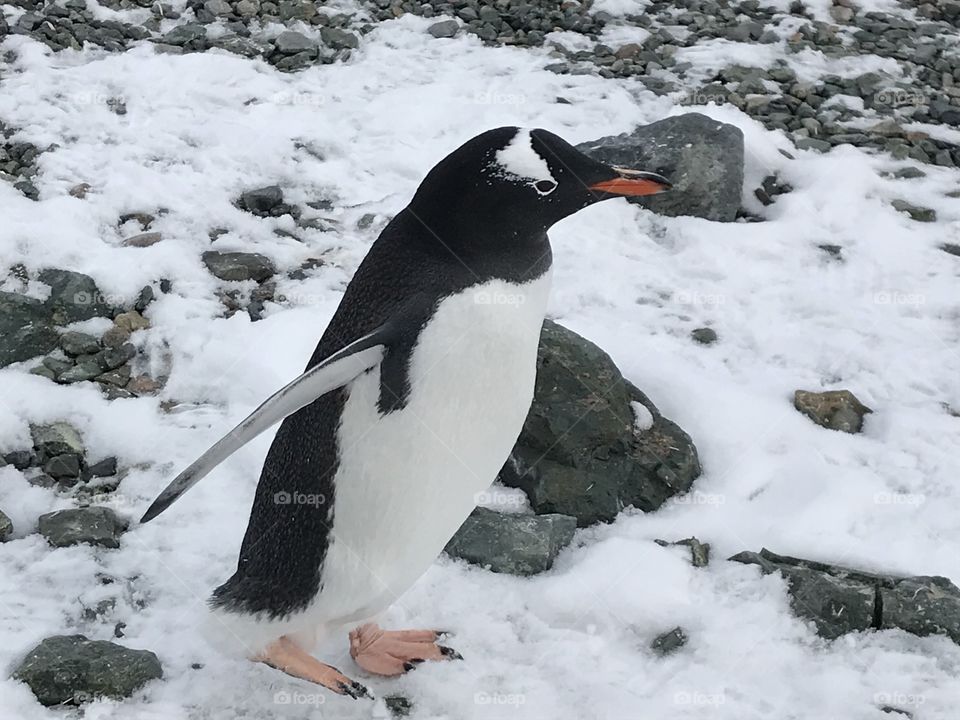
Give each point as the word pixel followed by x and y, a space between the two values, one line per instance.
pixel 408 408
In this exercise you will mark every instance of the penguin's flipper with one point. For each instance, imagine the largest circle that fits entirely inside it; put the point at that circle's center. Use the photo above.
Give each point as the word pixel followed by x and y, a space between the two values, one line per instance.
pixel 330 374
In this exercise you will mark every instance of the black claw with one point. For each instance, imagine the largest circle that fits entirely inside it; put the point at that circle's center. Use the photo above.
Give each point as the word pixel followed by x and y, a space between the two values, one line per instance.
pixel 354 690
pixel 442 634
pixel 411 665
pixel 450 653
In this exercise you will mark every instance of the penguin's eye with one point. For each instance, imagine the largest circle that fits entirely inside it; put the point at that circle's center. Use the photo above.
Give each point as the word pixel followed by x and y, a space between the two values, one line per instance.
pixel 545 187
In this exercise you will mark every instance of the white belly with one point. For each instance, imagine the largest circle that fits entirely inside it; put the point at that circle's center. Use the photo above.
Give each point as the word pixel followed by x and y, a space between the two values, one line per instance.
pixel 408 480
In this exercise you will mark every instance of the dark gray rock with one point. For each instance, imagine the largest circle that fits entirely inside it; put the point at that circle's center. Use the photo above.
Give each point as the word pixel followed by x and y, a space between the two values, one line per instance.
pixel 6 527
pixel 291 43
pixel 113 357
pixel 444 29
pixel 58 438
pixel 833 409
pixel 66 466
pixel 20 459
pixel 512 543
pixel 840 600
pixel 26 328
pixel 103 468
pixel 239 265
pixel 580 452
pixel 87 367
pixel 187 34
pixel 78 343
pixel 699 552
pixel 70 669
pixel 337 39
pixel 262 200
pixel 916 212
pixel 704 335
pixel 703 159
pixel 669 642
pixel 73 296
pixel 93 525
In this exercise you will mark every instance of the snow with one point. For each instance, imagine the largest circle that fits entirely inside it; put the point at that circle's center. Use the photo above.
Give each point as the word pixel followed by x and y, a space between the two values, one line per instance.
pixel 573 642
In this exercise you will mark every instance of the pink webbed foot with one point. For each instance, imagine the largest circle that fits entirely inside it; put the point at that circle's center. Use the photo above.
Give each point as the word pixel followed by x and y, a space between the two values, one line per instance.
pixel 285 655
pixel 394 652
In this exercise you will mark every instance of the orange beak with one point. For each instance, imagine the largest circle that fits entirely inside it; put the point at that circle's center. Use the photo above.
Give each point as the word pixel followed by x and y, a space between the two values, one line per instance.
pixel 633 183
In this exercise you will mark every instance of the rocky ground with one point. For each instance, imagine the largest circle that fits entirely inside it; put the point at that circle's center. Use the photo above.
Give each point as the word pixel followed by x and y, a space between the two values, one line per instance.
pixel 188 186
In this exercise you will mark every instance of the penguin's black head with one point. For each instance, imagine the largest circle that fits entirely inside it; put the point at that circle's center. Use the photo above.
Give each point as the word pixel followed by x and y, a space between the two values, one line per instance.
pixel 509 185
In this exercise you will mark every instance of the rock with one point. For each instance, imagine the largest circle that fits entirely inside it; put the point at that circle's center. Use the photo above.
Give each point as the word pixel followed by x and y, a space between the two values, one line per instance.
pixel 833 409
pixel 26 328
pixel 291 43
pixel 909 173
pixel 218 8
pixel 131 321
pixel 94 525
pixel 916 212
pixel 69 669
pixel 87 367
pixel 111 358
pixel 80 191
pixel 699 552
pixel 58 438
pixel 20 459
pixel 951 249
pixel 703 159
pixel 262 200
pixel 73 296
pixel 103 468
pixel 338 39
pixel 6 527
pixel 444 29
pixel 512 543
pixel 580 452
pixel 143 240
pixel 398 705
pixel 183 35
pixel 239 265
pixel 840 600
pixel 78 343
pixel 807 143
pixel 62 467
pixel 669 642
pixel 704 335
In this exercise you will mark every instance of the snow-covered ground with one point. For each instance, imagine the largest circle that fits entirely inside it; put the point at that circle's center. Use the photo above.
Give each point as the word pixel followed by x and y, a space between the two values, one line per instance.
pixel 573 642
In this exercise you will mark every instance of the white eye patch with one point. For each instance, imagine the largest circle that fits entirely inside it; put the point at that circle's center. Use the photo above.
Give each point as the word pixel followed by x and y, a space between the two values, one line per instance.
pixel 519 160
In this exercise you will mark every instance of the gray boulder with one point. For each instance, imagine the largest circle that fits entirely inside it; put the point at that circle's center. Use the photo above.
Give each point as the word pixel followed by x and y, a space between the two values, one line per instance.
pixel 26 328
pixel 669 642
pixel 260 201
pixel 702 157
pixel 78 343
pixel 512 543
pixel 58 438
pixel 290 43
pixel 94 525
pixel 833 409
pixel 70 669
pixel 839 600
pixel 239 265
pixel 580 452
pixel 444 29
pixel 73 296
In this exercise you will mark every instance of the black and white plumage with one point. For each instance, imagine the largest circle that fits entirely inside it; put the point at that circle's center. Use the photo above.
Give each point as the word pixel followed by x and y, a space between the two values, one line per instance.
pixel 414 395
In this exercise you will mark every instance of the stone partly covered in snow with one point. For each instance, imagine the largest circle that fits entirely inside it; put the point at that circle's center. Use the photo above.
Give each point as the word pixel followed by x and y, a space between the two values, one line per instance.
pixel 512 543
pixel 26 328
pixel 444 29
pixel 580 452
pixel 6 527
pixel 699 552
pixel 93 525
pixel 669 642
pixel 704 335
pixel 833 409
pixel 262 201
pixel 703 159
pixel 840 600
pixel 56 439
pixel 239 265
pixel 73 296
pixel 70 669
